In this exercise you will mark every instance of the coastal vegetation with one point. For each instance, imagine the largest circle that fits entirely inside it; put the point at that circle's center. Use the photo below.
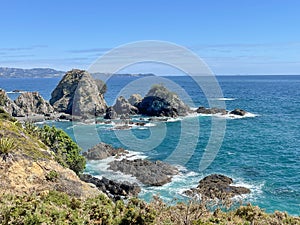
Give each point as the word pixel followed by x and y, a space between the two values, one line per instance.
pixel 60 208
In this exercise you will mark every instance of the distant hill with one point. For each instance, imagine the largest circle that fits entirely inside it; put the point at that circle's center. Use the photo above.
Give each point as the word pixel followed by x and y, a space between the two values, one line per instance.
pixel 29 73
pixel 6 72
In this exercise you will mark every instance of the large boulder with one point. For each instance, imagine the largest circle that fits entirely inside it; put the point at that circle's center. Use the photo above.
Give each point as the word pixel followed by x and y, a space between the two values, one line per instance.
pixel 216 186
pixel 33 103
pixel 112 188
pixel 78 94
pixel 122 107
pixel 103 151
pixel 9 106
pixel 149 173
pixel 159 101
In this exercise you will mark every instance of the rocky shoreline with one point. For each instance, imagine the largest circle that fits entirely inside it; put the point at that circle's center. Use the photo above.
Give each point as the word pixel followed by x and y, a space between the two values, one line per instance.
pixel 78 97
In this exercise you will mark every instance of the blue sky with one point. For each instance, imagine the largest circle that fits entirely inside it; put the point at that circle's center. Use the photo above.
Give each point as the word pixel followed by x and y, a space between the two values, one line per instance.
pixel 231 36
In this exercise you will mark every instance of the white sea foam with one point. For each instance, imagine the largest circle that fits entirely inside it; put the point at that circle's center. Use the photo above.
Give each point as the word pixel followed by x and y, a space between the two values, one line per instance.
pixel 100 167
pixel 149 125
pixel 225 99
pixel 174 119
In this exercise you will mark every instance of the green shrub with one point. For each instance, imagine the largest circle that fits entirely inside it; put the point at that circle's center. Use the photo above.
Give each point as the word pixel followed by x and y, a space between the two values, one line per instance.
pixel 52 176
pixel 7 145
pixel 67 152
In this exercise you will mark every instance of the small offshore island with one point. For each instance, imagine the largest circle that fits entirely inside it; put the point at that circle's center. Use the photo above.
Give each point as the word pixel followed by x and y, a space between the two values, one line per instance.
pixel 41 168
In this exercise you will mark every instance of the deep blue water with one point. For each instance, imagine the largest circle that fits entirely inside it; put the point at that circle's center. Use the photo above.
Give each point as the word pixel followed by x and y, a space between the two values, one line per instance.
pixel 261 152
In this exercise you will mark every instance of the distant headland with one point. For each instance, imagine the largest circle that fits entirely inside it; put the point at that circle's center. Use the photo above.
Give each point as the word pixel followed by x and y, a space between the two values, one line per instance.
pixel 6 72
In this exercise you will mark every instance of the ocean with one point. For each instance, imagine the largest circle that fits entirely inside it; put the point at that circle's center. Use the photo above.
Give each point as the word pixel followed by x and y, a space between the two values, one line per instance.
pixel 260 151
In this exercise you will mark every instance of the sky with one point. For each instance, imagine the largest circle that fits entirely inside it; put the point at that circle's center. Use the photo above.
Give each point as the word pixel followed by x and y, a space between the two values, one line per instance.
pixel 233 37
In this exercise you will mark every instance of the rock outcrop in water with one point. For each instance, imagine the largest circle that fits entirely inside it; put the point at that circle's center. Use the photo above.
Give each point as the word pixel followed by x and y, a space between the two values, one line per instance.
pixel 33 103
pixel 123 107
pixel 149 173
pixel 238 112
pixel 113 189
pixel 135 99
pixel 204 110
pixel 159 101
pixel 110 113
pixel 78 94
pixel 216 186
pixel 9 106
pixel 103 151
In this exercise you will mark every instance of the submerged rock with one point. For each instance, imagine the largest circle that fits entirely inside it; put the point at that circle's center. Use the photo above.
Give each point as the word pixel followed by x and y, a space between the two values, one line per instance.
pixel 33 103
pixel 150 173
pixel 103 151
pixel 112 188
pixel 78 94
pixel 216 186
pixel 238 112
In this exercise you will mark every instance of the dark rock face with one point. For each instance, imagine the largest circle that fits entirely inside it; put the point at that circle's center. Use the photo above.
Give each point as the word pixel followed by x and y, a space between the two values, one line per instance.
pixel 161 102
pixel 33 103
pixel 78 94
pixel 103 151
pixel 135 99
pixel 204 110
pixel 112 188
pixel 150 173
pixel 123 107
pixel 110 114
pixel 238 112
pixel 216 186
pixel 9 106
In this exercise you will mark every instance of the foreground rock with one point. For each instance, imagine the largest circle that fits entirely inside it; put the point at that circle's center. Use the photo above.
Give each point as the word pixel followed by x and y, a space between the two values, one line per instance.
pixel 78 94
pixel 33 103
pixel 216 186
pixel 161 102
pixel 103 151
pixel 238 112
pixel 29 167
pixel 204 110
pixel 9 106
pixel 150 173
pixel 111 188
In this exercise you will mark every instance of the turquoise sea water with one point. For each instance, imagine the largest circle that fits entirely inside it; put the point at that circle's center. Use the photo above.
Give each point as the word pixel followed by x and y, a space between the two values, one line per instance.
pixel 261 152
